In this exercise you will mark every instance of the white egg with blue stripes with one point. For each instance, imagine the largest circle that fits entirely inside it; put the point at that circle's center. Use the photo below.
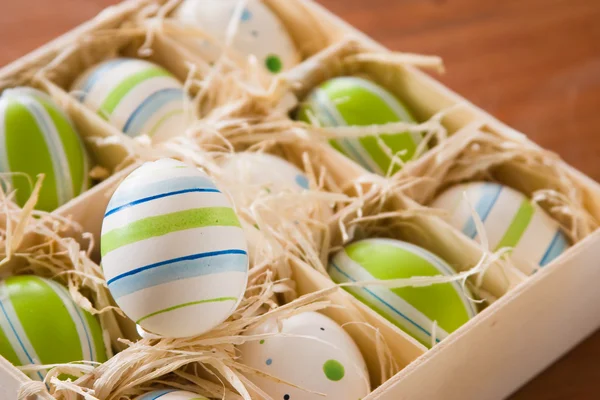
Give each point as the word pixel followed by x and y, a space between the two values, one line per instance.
pixel 136 96
pixel 173 252
pixel 510 219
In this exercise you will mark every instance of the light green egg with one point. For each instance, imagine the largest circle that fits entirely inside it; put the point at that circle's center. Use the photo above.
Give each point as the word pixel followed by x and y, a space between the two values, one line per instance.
pixel 37 137
pixel 352 101
pixel 413 309
pixel 41 324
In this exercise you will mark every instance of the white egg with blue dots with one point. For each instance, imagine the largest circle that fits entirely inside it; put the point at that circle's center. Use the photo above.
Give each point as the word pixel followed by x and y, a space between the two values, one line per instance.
pixel 266 173
pixel 259 33
pixel 310 351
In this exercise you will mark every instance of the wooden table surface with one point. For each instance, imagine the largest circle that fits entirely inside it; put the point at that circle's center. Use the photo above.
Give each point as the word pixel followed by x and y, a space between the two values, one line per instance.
pixel 535 64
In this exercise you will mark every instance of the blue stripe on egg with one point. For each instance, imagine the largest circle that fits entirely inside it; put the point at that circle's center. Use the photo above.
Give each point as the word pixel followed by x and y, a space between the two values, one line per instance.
pixel 489 196
pixel 558 245
pixel 96 75
pixel 132 195
pixel 150 106
pixel 209 263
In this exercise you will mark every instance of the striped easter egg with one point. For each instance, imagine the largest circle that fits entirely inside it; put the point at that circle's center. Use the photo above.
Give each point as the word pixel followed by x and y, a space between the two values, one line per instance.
pixel 359 102
pixel 171 394
pixel 40 324
pixel 173 251
pixel 413 309
pixel 136 96
pixel 37 137
pixel 510 219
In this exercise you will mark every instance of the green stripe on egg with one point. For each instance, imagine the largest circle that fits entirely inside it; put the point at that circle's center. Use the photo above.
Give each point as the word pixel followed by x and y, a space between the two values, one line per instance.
pixel 358 102
pixel 40 324
pixel 36 137
pixel 413 309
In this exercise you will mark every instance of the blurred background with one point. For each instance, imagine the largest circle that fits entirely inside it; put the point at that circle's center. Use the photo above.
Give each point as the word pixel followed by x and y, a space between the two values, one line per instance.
pixel 534 64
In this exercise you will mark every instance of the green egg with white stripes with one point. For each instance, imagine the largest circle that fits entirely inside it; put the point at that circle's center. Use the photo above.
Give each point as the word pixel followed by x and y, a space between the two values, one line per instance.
pixel 427 313
pixel 41 324
pixel 37 137
pixel 354 101
pixel 510 220
pixel 136 96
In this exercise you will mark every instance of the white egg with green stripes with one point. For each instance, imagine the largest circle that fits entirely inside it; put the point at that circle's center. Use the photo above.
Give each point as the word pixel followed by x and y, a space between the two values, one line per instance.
pixel 173 252
pixel 37 137
pixel 41 324
pixel 510 219
pixel 136 96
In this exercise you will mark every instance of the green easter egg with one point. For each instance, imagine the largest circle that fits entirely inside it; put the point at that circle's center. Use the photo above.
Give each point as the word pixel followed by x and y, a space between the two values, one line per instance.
pixel 40 324
pixel 413 309
pixel 348 101
pixel 37 137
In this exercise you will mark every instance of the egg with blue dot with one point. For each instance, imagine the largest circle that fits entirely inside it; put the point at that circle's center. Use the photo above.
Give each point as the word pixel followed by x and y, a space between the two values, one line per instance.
pixel 310 351
pixel 266 173
pixel 259 32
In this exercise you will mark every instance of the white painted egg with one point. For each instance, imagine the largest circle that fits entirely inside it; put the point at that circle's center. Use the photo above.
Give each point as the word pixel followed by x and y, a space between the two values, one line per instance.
pixel 510 219
pixel 171 394
pixel 173 252
pixel 259 33
pixel 314 353
pixel 266 173
pixel 136 96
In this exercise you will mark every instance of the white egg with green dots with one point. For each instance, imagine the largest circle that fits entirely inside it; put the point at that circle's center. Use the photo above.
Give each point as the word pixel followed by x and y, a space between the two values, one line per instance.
pixel 428 313
pixel 37 137
pixel 259 31
pixel 311 351
pixel 510 219
pixel 173 252
pixel 136 96
pixel 354 101
pixel 171 394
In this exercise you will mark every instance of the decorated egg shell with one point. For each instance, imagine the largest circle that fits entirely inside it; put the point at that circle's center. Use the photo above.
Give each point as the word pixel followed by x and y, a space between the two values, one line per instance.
pixel 259 32
pixel 40 324
pixel 413 309
pixel 265 172
pixel 37 137
pixel 510 219
pixel 314 353
pixel 353 101
pixel 136 96
pixel 173 251
pixel 171 394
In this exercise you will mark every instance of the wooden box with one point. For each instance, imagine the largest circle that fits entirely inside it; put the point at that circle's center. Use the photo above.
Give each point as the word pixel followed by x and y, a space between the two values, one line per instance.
pixel 535 319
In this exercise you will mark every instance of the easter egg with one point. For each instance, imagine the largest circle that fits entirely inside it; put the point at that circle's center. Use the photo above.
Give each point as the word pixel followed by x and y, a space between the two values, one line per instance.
pixel 264 173
pixel 510 219
pixel 40 324
pixel 171 394
pixel 413 309
pixel 259 32
pixel 352 101
pixel 37 137
pixel 173 251
pixel 313 352
pixel 136 96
